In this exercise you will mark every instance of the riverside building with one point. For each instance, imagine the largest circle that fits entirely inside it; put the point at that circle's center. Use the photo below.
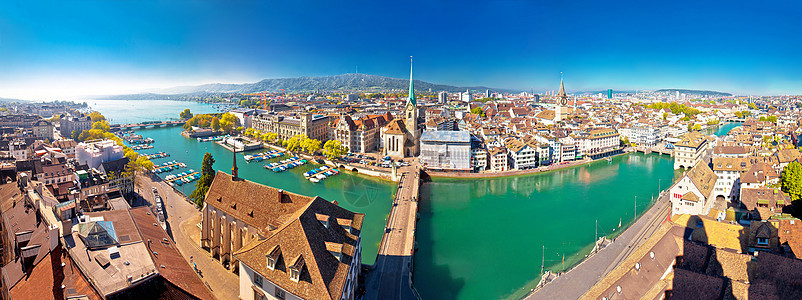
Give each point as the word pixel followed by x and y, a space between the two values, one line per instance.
pixel 313 126
pixel 446 150
pixel 689 150
pixel 283 245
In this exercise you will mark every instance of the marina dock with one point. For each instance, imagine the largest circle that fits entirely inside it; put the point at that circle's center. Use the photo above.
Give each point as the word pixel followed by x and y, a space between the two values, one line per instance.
pixel 285 164
pixel 180 178
pixel 157 155
pixel 168 166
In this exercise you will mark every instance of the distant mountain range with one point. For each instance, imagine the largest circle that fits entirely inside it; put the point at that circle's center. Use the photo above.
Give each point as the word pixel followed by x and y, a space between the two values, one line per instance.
pixel 344 82
pixel 7 100
pixel 694 92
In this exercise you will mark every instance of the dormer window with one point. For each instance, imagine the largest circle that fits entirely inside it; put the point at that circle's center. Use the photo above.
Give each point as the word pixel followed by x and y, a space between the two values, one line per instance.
pixel 345 224
pixel 295 274
pixel 273 257
pixel 295 269
pixel 324 219
pixel 336 250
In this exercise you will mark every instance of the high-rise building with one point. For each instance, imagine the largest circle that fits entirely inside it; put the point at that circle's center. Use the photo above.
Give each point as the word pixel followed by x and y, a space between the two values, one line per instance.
pixel 466 96
pixel 609 93
pixel 442 97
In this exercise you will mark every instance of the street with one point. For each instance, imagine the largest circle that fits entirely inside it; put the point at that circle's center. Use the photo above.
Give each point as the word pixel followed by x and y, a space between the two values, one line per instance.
pixel 182 219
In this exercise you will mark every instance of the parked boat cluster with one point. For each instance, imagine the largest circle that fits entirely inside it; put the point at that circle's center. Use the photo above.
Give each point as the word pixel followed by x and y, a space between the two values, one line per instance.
pixel 157 155
pixel 320 174
pixel 286 164
pixel 142 147
pixel 263 156
pixel 168 166
pixel 183 177
pixel 213 138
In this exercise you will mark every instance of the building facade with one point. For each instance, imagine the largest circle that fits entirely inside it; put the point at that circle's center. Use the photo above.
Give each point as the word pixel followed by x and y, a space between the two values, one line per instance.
pixel 689 151
pixel 313 126
pixel 43 129
pixel 693 193
pixel 95 153
pixel 446 150
pixel 283 245
pixel 68 124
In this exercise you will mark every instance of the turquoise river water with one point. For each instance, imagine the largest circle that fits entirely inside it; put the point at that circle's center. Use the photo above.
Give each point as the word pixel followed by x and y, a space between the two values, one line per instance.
pixel 476 238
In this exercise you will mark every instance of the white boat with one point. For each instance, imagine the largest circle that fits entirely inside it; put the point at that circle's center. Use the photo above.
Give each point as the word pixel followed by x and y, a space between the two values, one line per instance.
pixel 313 179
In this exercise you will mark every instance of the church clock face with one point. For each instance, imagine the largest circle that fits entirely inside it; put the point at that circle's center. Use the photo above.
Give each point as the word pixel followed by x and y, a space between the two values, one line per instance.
pixel 564 101
pixel 410 108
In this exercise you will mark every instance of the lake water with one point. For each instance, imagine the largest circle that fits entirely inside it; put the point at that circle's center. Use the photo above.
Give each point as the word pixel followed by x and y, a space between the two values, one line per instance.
pixel 135 111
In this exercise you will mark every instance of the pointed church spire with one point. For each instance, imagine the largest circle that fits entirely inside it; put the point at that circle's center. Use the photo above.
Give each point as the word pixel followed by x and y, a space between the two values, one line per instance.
pixel 234 167
pixel 561 93
pixel 411 88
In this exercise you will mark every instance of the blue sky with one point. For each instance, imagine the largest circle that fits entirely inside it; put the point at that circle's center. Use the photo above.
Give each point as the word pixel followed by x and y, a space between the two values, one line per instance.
pixel 67 48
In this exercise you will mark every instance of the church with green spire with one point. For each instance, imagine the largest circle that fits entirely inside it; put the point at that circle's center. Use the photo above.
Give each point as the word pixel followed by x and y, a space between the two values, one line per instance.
pixel 401 138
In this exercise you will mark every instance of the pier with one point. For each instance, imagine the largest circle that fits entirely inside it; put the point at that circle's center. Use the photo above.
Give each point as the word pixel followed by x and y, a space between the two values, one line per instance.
pixel 286 164
pixel 157 155
pixel 391 277
pixel 168 167
pixel 182 177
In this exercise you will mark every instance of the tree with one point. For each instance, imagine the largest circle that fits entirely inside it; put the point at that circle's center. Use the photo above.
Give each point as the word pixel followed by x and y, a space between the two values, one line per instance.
pixel 311 145
pixel 96 116
pixel 333 149
pixel 207 176
pixel 772 119
pixel 665 116
pixel 215 124
pixel 792 183
pixel 229 123
pixel 269 137
pixel 144 162
pixel 102 125
pixel 74 134
pixel 478 111
pixel 752 106
pixel 294 143
pixel 186 114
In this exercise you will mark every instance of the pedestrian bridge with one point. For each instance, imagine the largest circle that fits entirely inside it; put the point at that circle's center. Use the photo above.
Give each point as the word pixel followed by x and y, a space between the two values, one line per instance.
pixel 151 124
pixel 391 277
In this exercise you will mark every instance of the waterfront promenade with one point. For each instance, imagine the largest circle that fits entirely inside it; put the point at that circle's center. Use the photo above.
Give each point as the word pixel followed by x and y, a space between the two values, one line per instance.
pixel 574 283
pixel 391 277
